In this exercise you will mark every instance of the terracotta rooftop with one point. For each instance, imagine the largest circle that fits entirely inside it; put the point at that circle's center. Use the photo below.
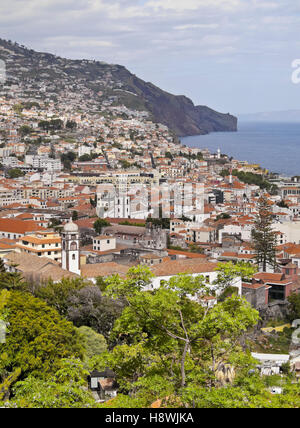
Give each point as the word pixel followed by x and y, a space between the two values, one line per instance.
pixel 38 268
pixel 191 266
pixel 19 226
pixel 103 269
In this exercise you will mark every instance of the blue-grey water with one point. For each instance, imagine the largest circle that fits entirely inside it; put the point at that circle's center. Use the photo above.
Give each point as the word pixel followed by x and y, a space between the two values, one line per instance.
pixel 275 146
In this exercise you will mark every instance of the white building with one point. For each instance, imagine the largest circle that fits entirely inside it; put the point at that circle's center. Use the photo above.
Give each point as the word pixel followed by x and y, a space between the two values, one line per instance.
pixel 165 271
pixel 71 248
pixel 104 243
pixel 43 162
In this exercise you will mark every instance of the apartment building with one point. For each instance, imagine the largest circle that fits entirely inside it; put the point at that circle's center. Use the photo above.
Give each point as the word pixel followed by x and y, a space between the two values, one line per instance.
pixel 43 244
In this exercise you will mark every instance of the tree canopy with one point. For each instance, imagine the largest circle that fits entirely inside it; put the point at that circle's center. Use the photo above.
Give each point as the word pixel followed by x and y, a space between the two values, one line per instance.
pixel 37 338
pixel 168 343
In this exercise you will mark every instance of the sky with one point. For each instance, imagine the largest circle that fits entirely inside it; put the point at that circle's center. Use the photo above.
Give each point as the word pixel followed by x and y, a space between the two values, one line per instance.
pixel 232 55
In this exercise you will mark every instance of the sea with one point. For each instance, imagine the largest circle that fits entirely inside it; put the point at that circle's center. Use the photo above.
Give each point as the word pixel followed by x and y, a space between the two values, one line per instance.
pixel 275 146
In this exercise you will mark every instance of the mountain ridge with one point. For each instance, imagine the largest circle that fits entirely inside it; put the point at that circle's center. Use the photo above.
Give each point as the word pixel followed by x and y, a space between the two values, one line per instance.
pixel 102 81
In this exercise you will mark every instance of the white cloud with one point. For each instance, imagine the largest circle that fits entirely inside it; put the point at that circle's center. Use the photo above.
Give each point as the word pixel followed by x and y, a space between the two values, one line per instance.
pixel 196 26
pixel 179 5
pixel 160 36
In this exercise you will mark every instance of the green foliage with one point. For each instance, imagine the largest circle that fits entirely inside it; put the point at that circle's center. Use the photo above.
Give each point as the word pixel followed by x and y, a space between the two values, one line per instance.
pixel 67 159
pixel 167 342
pixel 194 248
pixel 294 301
pixel 71 124
pixel 223 216
pixel 65 389
pixel 252 178
pixel 85 158
pixel 8 381
pixel 38 338
pixel 15 173
pixel 263 237
pixel 128 223
pixel 228 292
pixel 12 281
pixel 282 204
pixel 125 164
pixel 82 303
pixel 162 222
pixel 52 125
pixel 58 294
pixel 95 343
pixel 75 215
pixel 169 155
pixel 25 130
pixel 99 224
pixel 227 272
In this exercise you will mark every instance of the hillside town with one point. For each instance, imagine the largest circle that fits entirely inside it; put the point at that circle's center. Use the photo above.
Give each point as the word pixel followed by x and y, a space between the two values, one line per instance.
pixel 133 173
pixel 93 190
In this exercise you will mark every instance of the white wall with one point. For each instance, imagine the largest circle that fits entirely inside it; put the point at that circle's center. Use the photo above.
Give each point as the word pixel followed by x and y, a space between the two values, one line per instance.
pixel 212 276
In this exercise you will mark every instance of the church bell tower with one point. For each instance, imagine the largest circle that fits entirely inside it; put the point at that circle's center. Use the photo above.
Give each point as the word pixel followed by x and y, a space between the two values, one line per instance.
pixel 71 248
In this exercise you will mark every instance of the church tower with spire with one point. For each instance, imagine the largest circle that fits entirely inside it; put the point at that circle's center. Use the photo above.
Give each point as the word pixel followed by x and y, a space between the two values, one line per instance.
pixel 71 248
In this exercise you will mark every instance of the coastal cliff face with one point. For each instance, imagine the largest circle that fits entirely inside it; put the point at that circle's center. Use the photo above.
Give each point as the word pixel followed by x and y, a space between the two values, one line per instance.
pixel 49 76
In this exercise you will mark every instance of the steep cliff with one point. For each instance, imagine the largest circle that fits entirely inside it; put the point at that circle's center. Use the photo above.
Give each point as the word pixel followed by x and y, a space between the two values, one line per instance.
pixel 49 76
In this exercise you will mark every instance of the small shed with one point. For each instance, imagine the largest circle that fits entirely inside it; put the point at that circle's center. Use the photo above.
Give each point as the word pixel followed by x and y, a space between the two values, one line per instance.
pixel 103 383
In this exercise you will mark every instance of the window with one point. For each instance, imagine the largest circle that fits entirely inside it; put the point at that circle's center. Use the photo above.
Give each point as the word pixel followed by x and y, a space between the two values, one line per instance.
pixel 73 246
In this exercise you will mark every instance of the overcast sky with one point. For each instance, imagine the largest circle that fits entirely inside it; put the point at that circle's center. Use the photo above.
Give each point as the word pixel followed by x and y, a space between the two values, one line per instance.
pixel 232 55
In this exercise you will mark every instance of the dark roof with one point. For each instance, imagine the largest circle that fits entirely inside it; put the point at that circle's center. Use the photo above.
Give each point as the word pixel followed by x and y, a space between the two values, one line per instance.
pixel 106 373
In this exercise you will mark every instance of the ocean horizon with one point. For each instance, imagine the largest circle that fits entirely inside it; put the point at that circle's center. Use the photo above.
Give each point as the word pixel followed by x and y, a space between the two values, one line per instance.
pixel 275 146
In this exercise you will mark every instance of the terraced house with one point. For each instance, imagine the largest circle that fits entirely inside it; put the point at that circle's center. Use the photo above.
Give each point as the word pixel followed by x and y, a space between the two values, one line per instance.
pixel 43 244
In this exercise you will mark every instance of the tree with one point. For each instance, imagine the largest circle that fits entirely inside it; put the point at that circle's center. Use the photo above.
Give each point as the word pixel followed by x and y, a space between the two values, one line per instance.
pixel 65 389
pixel 67 159
pixel 75 215
pixel 223 216
pixel 38 338
pixel 263 237
pixel 71 124
pixel 125 164
pixel 12 281
pixel 95 343
pixel 2 267
pixel 85 158
pixel 282 204
pixel 99 224
pixel 82 303
pixel 227 272
pixel 52 154
pixel 25 130
pixel 58 294
pixel 15 173
pixel 294 301
pixel 167 341
pixel 194 248
pixel 88 307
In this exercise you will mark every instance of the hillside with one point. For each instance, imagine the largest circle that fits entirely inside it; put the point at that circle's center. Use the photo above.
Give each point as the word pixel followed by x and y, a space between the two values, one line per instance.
pixel 87 84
